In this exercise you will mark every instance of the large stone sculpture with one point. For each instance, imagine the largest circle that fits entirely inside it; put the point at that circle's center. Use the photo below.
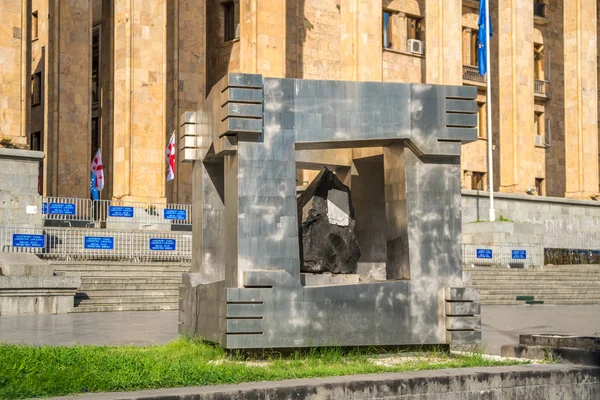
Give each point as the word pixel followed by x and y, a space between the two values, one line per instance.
pixel 245 290
pixel 327 239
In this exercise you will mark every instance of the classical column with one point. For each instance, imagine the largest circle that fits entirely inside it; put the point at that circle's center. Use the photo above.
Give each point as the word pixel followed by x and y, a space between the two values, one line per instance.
pixel 140 51
pixel 581 98
pixel 443 49
pixel 516 100
pixel 15 78
pixel 187 79
pixel 361 41
pixel 69 98
pixel 262 37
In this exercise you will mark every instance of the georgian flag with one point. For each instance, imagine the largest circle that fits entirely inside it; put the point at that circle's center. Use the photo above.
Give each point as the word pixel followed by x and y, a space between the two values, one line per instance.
pixel 171 159
pixel 98 171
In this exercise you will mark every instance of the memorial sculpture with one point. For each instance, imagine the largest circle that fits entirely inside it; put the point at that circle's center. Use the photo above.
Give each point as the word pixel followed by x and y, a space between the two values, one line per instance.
pixel 326 227
pixel 245 290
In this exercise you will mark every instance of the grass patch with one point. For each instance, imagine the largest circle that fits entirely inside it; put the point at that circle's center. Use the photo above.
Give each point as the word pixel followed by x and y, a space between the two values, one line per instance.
pixel 28 371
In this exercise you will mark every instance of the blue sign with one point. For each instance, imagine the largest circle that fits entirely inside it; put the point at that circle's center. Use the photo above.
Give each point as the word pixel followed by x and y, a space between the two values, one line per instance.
pixel 178 215
pixel 99 242
pixel 120 211
pixel 62 208
pixel 163 244
pixel 22 240
pixel 519 254
pixel 44 208
pixel 484 253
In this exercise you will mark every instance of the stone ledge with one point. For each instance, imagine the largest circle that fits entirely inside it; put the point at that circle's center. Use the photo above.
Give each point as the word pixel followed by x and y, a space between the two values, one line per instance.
pixel 524 197
pixel 21 154
pixel 549 382
pixel 39 282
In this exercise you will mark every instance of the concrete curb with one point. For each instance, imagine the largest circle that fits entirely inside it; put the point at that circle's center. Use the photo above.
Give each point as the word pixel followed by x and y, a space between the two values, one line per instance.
pixel 548 382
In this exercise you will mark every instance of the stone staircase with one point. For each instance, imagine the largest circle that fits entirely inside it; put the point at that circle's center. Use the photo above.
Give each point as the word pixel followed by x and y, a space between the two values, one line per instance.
pixel 565 284
pixel 124 286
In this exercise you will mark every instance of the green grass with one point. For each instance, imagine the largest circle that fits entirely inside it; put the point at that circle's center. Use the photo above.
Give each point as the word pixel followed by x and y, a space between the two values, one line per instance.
pixel 27 371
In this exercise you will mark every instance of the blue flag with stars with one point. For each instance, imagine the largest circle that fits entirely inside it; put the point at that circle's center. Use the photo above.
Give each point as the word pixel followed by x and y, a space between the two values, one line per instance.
pixel 481 42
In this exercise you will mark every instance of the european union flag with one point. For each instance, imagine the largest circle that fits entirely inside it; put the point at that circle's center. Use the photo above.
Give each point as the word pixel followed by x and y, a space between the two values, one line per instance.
pixel 481 42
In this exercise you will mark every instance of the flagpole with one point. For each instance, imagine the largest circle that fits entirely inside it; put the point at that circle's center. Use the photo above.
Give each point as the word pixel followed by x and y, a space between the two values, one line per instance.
pixel 488 24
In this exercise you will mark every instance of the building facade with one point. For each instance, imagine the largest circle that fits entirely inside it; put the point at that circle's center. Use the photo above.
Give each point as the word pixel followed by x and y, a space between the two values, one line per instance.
pixel 116 75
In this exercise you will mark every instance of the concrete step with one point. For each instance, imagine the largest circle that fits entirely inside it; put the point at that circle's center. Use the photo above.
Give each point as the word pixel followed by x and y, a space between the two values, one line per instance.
pixel 548 288
pixel 132 268
pixel 126 307
pixel 101 287
pixel 546 302
pixel 531 273
pixel 90 280
pixel 127 300
pixel 124 274
pixel 127 293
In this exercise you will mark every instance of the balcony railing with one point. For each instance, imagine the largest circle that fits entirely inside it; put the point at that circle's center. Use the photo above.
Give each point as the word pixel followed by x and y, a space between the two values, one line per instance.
pixel 541 88
pixel 471 73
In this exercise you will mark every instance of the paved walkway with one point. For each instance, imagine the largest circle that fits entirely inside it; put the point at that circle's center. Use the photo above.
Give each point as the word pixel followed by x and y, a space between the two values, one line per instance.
pixel 501 325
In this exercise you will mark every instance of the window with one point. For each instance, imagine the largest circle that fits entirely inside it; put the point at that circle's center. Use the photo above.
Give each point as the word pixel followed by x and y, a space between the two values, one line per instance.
pixel 538 123
pixel 539 9
pixel 414 27
pixel 96 66
pixel 34 25
pixel 538 59
pixel 540 186
pixel 474 47
pixel 36 141
pixel 229 20
pixel 95 143
pixel 386 29
pixel 477 180
pixel 481 121
pixel 36 89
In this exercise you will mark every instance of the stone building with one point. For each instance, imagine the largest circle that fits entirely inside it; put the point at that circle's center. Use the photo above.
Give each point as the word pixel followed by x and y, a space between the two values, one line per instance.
pixel 116 75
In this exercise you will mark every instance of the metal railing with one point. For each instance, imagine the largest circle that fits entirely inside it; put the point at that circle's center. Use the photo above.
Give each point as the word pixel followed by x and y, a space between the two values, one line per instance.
pixel 481 255
pixel 106 211
pixel 94 244
pixel 471 73
pixel 540 87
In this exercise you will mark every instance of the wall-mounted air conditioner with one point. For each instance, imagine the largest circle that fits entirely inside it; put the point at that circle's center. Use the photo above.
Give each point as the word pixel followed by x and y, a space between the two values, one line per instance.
pixel 415 46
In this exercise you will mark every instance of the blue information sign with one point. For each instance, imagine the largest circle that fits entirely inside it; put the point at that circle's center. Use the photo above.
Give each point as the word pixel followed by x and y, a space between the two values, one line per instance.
pixel 99 242
pixel 163 244
pixel 22 240
pixel 120 211
pixel 178 215
pixel 61 208
pixel 44 208
pixel 519 254
pixel 484 253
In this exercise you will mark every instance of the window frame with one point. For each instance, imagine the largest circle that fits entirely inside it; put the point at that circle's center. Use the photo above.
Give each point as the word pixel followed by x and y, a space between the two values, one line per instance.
pixel 416 32
pixel 97 29
pixel 477 180
pixel 35 25
pixel 36 90
pixel 229 26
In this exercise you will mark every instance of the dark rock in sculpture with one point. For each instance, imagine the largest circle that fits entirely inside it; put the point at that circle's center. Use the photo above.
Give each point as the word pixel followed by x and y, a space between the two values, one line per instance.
pixel 327 239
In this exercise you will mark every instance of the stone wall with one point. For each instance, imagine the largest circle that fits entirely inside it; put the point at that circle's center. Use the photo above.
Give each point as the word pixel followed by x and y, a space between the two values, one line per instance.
pixel 571 224
pixel 20 204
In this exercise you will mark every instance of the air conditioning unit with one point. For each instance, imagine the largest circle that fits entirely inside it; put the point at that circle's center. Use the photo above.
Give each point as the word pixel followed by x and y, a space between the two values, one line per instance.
pixel 540 141
pixel 415 46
